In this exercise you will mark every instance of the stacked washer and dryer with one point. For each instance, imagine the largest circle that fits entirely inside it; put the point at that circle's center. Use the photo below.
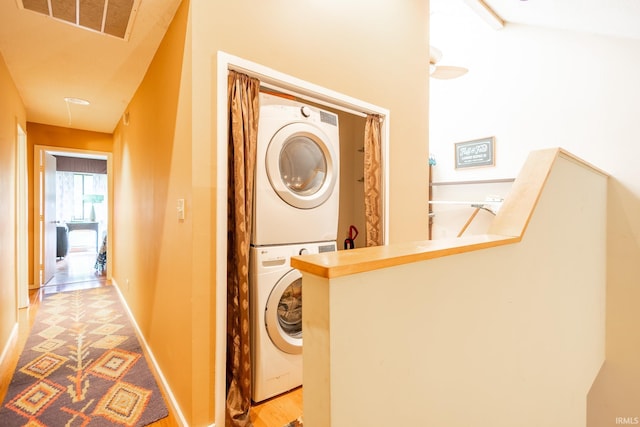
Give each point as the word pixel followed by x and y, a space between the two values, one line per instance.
pixel 295 213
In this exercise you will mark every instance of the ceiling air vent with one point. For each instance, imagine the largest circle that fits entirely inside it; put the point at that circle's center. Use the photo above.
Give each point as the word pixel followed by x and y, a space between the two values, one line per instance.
pixel 113 17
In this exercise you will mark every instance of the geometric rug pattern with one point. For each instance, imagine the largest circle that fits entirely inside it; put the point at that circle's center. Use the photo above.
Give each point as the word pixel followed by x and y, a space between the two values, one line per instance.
pixel 82 366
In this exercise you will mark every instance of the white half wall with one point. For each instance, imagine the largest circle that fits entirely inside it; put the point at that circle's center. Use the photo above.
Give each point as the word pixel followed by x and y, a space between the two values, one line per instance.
pixel 510 335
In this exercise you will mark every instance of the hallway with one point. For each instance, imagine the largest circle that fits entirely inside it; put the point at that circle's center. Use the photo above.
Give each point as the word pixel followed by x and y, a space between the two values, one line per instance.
pixel 74 272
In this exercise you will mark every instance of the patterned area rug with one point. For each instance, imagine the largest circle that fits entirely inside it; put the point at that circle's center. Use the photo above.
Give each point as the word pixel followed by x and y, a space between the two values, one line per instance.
pixel 82 365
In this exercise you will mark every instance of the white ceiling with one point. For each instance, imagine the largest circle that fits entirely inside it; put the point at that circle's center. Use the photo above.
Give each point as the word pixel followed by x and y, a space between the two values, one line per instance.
pixel 50 60
pixel 619 18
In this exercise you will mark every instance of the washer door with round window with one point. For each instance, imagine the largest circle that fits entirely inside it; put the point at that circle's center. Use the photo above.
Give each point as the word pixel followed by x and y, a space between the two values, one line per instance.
pixel 283 314
pixel 301 166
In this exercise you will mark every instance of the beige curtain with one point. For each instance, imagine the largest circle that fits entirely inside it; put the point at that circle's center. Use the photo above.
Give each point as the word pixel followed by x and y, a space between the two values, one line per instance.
pixel 373 180
pixel 243 129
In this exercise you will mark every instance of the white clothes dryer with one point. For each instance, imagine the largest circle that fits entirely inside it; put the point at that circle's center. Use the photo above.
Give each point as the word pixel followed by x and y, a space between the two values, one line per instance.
pixel 276 317
pixel 297 173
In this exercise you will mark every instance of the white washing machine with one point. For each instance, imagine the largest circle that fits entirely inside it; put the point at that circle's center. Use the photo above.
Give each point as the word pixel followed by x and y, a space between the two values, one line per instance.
pixel 297 173
pixel 276 317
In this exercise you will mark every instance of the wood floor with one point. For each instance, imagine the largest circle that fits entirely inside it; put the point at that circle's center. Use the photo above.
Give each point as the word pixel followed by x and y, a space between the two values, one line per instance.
pixel 277 411
pixel 76 272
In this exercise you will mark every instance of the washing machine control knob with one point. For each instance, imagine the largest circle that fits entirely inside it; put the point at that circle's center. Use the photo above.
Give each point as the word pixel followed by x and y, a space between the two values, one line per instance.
pixel 303 251
pixel 306 111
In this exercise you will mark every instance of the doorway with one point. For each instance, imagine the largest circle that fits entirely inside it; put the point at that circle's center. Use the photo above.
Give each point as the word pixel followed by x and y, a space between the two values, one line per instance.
pixel 22 227
pixel 73 211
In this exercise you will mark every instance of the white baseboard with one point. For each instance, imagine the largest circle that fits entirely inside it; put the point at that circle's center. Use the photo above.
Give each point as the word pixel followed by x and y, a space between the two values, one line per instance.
pixel 13 336
pixel 174 402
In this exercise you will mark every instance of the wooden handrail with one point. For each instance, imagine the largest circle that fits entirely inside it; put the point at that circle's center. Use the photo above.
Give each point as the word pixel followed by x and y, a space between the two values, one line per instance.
pixel 479 181
pixel 508 226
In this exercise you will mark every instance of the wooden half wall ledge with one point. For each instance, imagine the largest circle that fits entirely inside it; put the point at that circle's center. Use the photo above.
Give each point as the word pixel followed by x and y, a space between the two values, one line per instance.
pixel 507 227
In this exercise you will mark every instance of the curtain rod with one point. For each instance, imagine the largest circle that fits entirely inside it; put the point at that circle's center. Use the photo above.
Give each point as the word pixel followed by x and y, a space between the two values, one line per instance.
pixel 300 94
pixel 293 86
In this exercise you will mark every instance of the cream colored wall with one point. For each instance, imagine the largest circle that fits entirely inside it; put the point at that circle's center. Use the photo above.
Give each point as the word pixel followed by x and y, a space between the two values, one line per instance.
pixel 168 152
pixel 534 88
pixel 12 114
pixel 376 51
pixel 488 338
pixel 155 253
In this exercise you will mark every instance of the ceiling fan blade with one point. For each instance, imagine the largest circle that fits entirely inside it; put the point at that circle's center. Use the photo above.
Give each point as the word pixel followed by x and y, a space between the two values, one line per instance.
pixel 445 72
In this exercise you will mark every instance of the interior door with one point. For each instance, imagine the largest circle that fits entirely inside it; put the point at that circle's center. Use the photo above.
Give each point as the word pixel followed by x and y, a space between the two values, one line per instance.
pixel 48 234
pixel 22 225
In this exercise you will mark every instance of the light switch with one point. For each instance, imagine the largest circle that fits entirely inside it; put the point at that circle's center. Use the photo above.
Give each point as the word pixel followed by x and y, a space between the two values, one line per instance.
pixel 180 209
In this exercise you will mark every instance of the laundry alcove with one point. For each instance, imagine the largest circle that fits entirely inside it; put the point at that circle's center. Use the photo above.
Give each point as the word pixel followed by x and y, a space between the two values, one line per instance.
pixel 352 118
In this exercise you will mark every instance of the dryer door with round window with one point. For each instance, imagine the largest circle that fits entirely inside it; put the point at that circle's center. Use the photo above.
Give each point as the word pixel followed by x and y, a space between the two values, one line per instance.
pixel 302 167
pixel 283 314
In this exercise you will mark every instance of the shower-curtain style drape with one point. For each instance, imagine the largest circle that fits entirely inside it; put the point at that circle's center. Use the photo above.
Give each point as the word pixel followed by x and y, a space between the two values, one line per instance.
pixel 243 130
pixel 373 180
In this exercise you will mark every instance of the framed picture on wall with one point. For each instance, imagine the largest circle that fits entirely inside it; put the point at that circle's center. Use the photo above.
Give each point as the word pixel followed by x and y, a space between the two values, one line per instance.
pixel 475 153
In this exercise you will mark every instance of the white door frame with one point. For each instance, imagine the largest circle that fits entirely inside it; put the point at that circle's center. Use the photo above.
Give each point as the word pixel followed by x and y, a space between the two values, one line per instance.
pixel 22 216
pixel 302 89
pixel 38 150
